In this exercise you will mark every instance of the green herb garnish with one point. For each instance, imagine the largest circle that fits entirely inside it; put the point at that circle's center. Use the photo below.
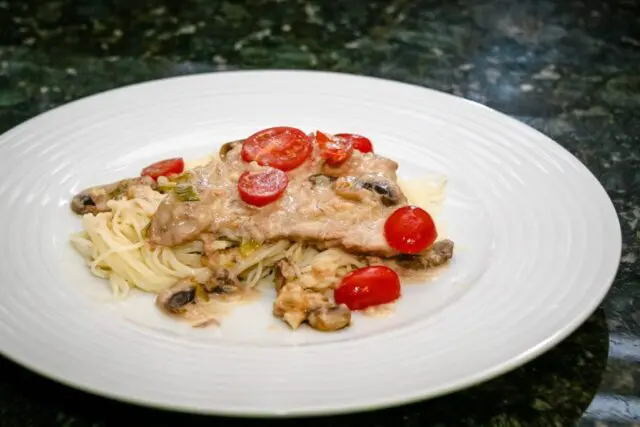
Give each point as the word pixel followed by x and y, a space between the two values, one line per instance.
pixel 166 187
pixel 186 193
pixel 183 177
pixel 118 192
pixel 201 292
pixel 145 231
pixel 248 247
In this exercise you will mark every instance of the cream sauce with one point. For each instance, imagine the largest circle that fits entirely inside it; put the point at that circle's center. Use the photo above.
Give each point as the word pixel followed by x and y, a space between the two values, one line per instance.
pixel 307 212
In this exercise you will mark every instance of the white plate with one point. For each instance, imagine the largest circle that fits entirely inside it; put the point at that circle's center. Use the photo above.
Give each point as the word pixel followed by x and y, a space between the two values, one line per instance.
pixel 538 245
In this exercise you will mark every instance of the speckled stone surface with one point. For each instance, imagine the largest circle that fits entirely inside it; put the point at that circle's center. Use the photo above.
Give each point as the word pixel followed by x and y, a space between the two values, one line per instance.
pixel 569 68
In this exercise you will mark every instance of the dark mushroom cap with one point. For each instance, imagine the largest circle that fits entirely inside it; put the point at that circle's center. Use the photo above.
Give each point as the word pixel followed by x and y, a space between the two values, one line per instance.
pixel 82 203
pixel 321 179
pixel 94 200
pixel 438 254
pixel 174 299
pixel 389 194
pixel 330 318
pixel 226 147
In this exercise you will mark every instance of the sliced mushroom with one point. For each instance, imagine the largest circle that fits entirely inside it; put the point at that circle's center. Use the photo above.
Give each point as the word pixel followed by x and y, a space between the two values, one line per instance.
pixel 410 262
pixel 83 203
pixel 389 193
pixel 94 200
pixel 294 318
pixel 226 290
pixel 279 278
pixel 358 189
pixel 350 188
pixel 177 297
pixel 226 147
pixel 223 284
pixel 321 180
pixel 221 277
pixel 294 303
pixel 283 272
pixel 291 304
pixel 438 254
pixel 91 200
pixel 330 318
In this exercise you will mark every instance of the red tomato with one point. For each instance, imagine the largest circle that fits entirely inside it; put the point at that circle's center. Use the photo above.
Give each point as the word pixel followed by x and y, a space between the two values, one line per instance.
pixel 335 151
pixel 359 142
pixel 283 148
pixel 368 286
pixel 410 230
pixel 262 187
pixel 164 168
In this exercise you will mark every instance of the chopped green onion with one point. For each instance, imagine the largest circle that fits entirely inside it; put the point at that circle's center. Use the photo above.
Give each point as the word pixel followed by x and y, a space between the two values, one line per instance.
pixel 118 192
pixel 186 193
pixel 166 187
pixel 248 247
pixel 201 292
pixel 145 231
pixel 183 177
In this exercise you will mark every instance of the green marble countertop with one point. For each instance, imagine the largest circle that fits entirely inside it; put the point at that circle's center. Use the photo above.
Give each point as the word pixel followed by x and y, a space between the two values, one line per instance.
pixel 568 68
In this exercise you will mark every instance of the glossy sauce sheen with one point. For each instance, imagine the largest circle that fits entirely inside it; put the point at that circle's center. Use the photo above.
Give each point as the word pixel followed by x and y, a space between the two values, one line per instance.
pixel 305 212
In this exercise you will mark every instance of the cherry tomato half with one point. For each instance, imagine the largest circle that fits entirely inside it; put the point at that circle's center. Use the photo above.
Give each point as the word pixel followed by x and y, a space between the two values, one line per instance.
pixel 410 230
pixel 262 187
pixel 359 142
pixel 282 147
pixel 368 286
pixel 164 168
pixel 335 151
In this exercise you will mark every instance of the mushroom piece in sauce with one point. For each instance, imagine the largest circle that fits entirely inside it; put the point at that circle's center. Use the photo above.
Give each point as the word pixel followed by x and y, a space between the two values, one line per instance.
pixel 283 273
pixel 350 188
pixel 321 180
pixel 438 254
pixel 357 189
pixel 177 297
pixel 330 318
pixel 389 194
pixel 94 200
pixel 226 147
pixel 223 284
